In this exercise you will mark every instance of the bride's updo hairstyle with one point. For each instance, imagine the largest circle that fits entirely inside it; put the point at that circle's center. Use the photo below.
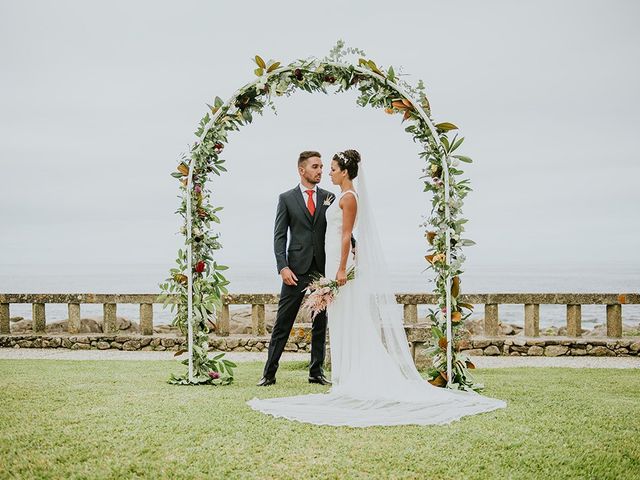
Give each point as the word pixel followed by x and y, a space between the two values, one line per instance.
pixel 348 160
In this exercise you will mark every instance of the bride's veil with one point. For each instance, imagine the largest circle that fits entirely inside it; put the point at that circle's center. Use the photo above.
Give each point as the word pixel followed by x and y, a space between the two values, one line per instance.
pixel 374 282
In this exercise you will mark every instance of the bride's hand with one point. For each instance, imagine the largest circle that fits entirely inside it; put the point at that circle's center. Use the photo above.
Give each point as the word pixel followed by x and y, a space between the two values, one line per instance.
pixel 341 276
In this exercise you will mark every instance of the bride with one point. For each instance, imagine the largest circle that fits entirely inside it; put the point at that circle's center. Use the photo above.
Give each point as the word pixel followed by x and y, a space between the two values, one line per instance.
pixel 374 379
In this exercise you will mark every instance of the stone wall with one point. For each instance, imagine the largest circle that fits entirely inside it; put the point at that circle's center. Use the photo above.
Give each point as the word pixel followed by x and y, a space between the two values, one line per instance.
pixel 299 341
pixel 145 343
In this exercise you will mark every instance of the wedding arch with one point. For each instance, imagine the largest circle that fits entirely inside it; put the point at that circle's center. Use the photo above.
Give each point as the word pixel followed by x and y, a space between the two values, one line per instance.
pixel 198 280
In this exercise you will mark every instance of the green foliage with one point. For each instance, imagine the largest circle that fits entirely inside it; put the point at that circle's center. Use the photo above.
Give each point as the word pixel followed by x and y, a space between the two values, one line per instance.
pixel 377 87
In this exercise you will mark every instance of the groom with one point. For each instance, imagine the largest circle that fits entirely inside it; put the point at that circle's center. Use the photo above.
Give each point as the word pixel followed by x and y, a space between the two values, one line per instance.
pixel 301 211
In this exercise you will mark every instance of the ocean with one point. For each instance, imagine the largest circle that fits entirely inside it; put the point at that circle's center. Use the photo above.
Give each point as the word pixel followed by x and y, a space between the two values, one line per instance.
pixel 262 278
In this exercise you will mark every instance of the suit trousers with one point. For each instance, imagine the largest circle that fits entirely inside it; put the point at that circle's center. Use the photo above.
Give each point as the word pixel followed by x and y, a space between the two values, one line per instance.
pixel 288 307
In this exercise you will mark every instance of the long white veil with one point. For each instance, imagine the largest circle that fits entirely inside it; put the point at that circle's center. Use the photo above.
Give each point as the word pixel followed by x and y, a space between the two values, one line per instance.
pixel 374 282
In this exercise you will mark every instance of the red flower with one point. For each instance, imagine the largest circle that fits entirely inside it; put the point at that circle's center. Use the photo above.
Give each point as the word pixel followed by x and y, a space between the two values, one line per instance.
pixel 200 266
pixel 214 375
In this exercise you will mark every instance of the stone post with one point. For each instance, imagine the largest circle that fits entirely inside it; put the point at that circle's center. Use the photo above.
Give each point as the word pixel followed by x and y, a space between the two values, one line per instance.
pixel 491 319
pixel 74 318
pixel 411 313
pixel 614 320
pixel 146 318
pixel 223 322
pixel 531 320
pixel 38 318
pixel 109 321
pixel 257 320
pixel 4 318
pixel 574 320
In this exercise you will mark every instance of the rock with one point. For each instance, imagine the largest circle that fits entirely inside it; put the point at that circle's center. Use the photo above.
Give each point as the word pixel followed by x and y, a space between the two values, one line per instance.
pixel 168 342
pixel 55 342
pixel 165 329
pixel 555 350
pixel 25 344
pixel 145 341
pixel 481 343
pixel 131 345
pixel 474 352
pixel 535 351
pixel 291 347
pixel 601 351
pixel 117 345
pixel 492 350
pixel 635 346
pixel 103 345
pixel 147 348
pixel 578 352
pixel 159 348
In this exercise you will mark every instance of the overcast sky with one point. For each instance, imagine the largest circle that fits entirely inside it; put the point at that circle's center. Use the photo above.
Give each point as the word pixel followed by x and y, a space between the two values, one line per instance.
pixel 98 100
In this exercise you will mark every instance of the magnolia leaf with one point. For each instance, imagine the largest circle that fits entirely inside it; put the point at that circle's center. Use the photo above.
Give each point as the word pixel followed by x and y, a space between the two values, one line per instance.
pixel 258 71
pixel 260 62
pixel 455 286
pixel 273 66
pixel 438 381
pixel 470 364
pixel 391 74
pixel 446 126
pixel 183 169
pixel 465 305
pixel 462 158
pixel 179 352
pixel 399 105
pixel 407 103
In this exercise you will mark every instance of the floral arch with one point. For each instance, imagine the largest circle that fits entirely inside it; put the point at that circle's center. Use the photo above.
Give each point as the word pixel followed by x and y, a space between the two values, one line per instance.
pixel 198 280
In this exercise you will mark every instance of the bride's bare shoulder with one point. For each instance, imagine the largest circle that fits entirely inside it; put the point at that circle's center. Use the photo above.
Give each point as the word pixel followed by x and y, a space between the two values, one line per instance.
pixel 349 202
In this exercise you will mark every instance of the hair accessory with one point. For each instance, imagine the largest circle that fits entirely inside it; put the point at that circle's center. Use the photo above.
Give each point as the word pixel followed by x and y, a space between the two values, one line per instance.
pixel 342 157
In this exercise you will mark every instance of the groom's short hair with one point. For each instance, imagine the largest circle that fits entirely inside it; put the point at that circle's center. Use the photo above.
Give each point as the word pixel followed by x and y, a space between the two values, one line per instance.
pixel 307 154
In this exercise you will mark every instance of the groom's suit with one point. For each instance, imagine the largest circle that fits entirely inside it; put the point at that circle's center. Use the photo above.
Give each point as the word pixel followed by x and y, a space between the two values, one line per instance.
pixel 305 256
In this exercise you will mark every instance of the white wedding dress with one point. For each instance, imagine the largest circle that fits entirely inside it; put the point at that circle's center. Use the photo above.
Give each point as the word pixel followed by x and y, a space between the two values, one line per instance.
pixel 375 381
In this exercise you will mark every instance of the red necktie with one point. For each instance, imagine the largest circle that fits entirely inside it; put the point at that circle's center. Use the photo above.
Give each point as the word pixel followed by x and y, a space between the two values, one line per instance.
pixel 310 205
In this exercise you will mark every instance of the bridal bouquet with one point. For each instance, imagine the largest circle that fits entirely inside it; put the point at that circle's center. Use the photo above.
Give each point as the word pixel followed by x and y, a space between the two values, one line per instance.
pixel 322 292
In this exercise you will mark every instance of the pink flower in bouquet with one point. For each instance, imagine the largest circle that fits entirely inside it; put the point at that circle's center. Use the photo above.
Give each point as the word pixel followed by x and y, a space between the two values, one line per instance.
pixel 214 375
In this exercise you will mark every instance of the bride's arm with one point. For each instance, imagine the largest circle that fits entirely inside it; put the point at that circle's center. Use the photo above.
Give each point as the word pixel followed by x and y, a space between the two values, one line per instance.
pixel 349 208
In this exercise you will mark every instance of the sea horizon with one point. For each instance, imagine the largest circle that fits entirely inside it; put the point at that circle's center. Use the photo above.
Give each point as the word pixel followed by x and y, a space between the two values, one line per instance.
pixel 261 277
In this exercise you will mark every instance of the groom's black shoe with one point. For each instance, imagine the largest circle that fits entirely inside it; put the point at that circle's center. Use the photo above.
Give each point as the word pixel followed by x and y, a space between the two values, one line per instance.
pixel 321 379
pixel 265 382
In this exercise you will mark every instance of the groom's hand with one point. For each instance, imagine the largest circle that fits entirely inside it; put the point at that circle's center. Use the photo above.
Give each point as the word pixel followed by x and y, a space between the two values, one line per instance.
pixel 288 277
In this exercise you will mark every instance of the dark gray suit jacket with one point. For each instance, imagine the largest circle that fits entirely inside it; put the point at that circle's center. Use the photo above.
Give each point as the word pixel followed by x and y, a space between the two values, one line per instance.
pixel 306 232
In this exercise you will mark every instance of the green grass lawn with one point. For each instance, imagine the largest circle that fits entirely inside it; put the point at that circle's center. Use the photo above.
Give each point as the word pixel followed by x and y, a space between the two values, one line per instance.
pixel 120 419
